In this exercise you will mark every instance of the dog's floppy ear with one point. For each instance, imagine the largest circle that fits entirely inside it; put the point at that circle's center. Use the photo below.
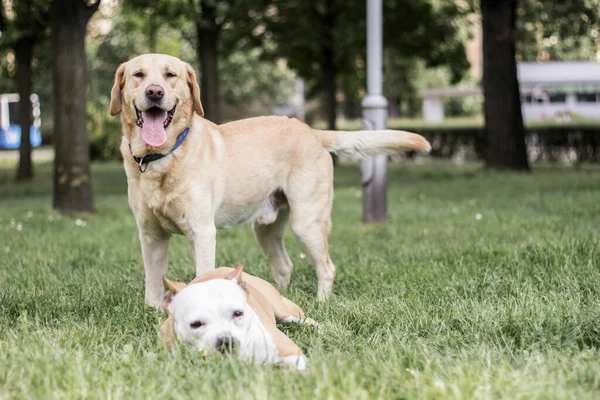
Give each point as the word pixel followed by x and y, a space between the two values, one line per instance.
pixel 173 287
pixel 236 274
pixel 194 89
pixel 115 93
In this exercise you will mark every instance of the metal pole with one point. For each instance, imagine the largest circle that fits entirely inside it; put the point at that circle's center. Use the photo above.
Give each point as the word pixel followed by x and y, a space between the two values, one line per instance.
pixel 298 99
pixel 374 169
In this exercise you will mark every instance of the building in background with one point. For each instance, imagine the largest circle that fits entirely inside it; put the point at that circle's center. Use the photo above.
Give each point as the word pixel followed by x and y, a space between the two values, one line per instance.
pixel 557 90
pixel 560 89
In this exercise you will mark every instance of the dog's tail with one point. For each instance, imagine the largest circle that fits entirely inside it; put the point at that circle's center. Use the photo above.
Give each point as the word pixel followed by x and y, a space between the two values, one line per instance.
pixel 360 144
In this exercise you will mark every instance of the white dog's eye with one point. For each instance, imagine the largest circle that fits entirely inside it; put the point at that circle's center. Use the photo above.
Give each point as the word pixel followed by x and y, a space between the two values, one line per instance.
pixel 170 75
pixel 196 324
pixel 139 74
pixel 237 313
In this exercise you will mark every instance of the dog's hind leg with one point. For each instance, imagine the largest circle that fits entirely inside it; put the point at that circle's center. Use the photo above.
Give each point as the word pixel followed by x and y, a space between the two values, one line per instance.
pixel 270 239
pixel 311 222
pixel 313 237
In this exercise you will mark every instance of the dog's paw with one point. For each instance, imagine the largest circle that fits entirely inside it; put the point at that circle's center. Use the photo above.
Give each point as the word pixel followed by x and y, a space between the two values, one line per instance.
pixel 305 321
pixel 300 363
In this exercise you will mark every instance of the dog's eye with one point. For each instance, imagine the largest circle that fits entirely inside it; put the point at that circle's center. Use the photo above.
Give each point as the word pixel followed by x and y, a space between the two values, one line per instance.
pixel 170 75
pixel 139 74
pixel 237 313
pixel 196 324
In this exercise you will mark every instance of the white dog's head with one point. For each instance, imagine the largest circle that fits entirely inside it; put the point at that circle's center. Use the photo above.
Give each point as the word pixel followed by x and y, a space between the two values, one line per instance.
pixel 213 315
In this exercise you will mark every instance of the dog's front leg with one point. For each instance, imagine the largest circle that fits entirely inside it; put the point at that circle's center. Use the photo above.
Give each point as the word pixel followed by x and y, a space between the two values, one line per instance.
pixel 155 246
pixel 204 241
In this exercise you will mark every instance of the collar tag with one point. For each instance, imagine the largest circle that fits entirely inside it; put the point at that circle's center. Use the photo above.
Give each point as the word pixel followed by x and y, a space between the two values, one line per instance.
pixel 143 167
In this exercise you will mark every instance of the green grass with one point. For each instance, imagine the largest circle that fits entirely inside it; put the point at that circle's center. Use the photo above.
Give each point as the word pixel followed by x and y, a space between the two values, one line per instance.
pixel 435 304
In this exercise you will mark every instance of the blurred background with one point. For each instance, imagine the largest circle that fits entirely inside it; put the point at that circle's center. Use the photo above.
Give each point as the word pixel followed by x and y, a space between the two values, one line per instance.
pixel 486 278
pixel 307 59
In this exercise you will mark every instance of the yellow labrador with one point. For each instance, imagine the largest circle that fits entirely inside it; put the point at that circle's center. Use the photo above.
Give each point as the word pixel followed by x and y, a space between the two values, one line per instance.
pixel 189 176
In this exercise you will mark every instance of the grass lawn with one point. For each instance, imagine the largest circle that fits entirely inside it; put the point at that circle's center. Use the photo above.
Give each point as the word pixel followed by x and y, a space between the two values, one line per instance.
pixel 480 286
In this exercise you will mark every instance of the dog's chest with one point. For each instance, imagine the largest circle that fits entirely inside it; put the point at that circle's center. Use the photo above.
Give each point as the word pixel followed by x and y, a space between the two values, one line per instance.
pixel 166 207
pixel 171 225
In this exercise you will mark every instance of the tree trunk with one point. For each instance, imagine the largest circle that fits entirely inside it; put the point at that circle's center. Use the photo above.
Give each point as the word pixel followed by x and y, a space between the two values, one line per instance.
pixel 329 75
pixel 329 68
pixel 349 106
pixel 24 55
pixel 328 21
pixel 208 33
pixel 504 130
pixel 394 106
pixel 72 177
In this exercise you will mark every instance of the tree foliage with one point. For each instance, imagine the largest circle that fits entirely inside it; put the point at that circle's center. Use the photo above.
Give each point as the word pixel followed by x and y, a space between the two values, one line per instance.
pixel 558 30
pixel 325 40
pixel 260 40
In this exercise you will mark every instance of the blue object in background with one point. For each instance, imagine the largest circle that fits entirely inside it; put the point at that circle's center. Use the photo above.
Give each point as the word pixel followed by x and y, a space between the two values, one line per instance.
pixel 11 138
pixel 10 129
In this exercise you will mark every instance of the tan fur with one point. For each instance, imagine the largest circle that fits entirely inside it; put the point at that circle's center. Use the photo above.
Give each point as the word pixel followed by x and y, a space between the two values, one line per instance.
pixel 265 170
pixel 266 301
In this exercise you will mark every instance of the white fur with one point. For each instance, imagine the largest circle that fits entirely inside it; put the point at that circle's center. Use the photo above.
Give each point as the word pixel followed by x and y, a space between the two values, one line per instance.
pixel 213 303
pixel 360 144
pixel 298 362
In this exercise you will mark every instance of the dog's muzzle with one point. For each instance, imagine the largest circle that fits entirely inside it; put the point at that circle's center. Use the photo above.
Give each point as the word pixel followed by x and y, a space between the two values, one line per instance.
pixel 225 344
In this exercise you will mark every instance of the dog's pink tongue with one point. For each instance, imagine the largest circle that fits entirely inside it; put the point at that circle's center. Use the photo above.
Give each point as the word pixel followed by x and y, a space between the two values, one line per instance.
pixel 153 130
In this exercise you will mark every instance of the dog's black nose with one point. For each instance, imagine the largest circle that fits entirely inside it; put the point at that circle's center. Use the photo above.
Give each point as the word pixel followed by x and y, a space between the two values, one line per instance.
pixel 225 344
pixel 154 92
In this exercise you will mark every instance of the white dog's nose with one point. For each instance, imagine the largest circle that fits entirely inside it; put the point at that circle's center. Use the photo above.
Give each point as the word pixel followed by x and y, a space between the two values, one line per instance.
pixel 225 344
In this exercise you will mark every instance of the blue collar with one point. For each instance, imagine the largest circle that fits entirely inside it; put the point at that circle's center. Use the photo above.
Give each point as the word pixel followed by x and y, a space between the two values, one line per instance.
pixel 148 158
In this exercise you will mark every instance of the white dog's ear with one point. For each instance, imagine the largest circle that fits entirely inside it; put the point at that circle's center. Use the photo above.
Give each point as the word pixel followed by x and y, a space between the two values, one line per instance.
pixel 173 287
pixel 115 93
pixel 236 274
pixel 194 89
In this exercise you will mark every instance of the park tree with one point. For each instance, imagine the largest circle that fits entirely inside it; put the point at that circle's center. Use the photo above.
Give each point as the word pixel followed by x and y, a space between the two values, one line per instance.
pixel 558 30
pixel 209 17
pixel 149 17
pixel 526 30
pixel 325 40
pixel 22 27
pixel 72 174
pixel 220 32
pixel 504 129
pixel 209 21
pixel 219 27
pixel 318 39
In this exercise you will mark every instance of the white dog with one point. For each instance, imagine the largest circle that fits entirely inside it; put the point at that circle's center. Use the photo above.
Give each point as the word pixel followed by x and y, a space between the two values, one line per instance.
pixel 227 310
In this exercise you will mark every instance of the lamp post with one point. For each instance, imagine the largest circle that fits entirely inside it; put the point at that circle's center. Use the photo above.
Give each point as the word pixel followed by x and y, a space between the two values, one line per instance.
pixel 373 169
